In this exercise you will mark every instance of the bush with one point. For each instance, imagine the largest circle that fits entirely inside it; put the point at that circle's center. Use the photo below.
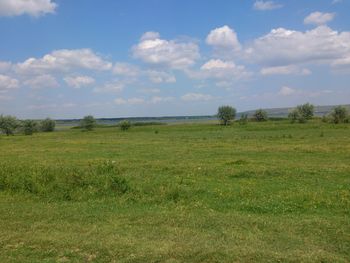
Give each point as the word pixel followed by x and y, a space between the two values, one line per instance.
pixel 125 125
pixel 29 127
pixel 88 123
pixel 226 114
pixel 260 115
pixel 339 115
pixel 244 119
pixel 47 125
pixel 302 113
pixel 8 124
pixel 293 115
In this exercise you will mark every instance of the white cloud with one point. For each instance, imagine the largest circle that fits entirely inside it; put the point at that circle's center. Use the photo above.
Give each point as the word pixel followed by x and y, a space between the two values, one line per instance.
pixel 7 83
pixel 150 36
pixel 126 69
pixel 285 70
pixel 266 5
pixel 41 82
pixel 79 81
pixel 110 87
pixel 160 76
pixel 5 66
pixel 196 97
pixel 64 60
pixel 283 47
pixel 219 69
pixel 172 53
pixel 223 37
pixel 286 91
pixel 150 90
pixel 31 7
pixel 318 18
pixel 132 101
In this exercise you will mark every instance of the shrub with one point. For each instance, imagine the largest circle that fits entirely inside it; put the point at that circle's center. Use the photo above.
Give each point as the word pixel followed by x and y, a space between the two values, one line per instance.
pixel 339 114
pixel 260 115
pixel 244 119
pixel 226 114
pixel 306 111
pixel 8 124
pixel 47 125
pixel 88 123
pixel 293 115
pixel 125 125
pixel 29 127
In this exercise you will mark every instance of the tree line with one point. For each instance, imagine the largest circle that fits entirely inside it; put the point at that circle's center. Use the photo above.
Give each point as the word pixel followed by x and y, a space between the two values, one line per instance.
pixel 302 113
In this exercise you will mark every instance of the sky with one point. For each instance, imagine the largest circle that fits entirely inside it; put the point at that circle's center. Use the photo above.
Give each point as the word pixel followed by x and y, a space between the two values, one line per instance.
pixel 114 58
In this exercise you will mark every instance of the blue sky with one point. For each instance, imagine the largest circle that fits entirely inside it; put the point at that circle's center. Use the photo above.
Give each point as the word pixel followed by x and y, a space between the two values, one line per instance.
pixel 67 59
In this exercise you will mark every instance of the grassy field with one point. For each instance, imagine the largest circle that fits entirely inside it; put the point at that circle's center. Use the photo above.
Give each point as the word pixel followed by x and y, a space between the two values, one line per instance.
pixel 265 192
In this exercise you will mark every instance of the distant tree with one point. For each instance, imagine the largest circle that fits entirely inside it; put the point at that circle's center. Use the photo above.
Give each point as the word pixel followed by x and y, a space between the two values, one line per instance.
pixel 47 125
pixel 226 114
pixel 8 124
pixel 244 119
pixel 29 127
pixel 125 125
pixel 306 111
pixel 260 115
pixel 293 115
pixel 88 123
pixel 339 114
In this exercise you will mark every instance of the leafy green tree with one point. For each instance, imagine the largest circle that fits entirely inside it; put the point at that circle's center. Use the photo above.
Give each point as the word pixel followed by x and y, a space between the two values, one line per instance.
pixel 29 127
pixel 88 123
pixel 47 125
pixel 226 114
pixel 339 114
pixel 8 124
pixel 306 111
pixel 125 125
pixel 260 115
pixel 293 115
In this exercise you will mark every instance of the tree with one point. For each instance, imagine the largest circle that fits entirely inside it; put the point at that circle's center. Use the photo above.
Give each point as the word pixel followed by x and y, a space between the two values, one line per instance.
pixel 339 114
pixel 8 124
pixel 88 123
pixel 260 115
pixel 226 114
pixel 29 127
pixel 125 125
pixel 306 111
pixel 47 125
pixel 293 115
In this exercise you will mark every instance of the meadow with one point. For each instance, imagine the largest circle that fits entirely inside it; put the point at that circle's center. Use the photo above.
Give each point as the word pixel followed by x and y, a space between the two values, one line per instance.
pixel 261 192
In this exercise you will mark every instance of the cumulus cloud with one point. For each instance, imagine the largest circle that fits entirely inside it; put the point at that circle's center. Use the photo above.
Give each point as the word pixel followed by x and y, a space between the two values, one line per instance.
pixel 223 37
pixel 64 60
pixel 7 83
pixel 266 5
pixel 318 18
pixel 283 47
pixel 160 76
pixel 5 66
pixel 41 82
pixel 285 70
pixel 196 97
pixel 286 91
pixel 169 53
pixel 79 81
pixel 30 7
pixel 126 69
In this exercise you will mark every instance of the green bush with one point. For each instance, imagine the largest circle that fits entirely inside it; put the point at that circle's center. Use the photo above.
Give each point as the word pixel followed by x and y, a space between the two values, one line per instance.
pixel 29 127
pixel 88 123
pixel 125 125
pixel 47 125
pixel 8 124
pixel 260 115
pixel 339 115
pixel 302 113
pixel 226 114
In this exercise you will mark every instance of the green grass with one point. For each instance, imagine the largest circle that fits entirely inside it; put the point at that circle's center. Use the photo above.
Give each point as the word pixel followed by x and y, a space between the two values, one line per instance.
pixel 264 192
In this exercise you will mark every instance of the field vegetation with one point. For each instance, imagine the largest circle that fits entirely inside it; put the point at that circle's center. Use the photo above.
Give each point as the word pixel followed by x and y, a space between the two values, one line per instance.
pixel 267 191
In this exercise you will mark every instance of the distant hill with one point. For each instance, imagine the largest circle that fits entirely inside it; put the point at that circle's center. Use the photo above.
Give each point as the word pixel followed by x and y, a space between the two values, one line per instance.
pixel 283 112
